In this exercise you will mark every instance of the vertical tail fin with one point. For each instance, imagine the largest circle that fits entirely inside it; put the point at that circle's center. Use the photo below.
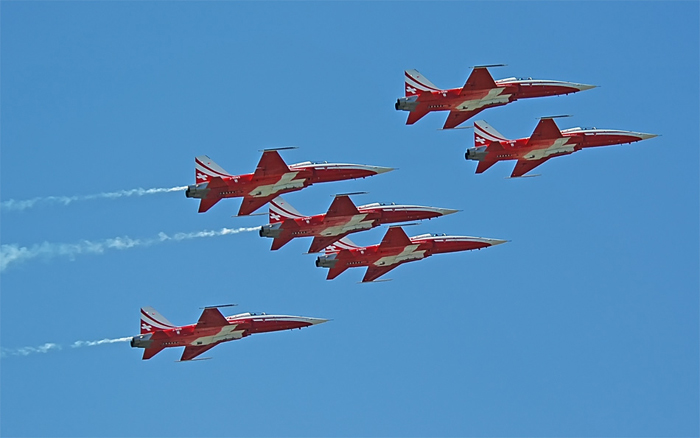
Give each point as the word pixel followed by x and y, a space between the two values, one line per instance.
pixel 417 84
pixel 152 321
pixel 205 169
pixel 485 134
pixel 279 210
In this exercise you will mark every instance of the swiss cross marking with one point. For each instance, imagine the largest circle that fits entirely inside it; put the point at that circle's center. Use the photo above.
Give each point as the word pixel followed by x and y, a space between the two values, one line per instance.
pixel 410 89
pixel 146 326
pixel 480 140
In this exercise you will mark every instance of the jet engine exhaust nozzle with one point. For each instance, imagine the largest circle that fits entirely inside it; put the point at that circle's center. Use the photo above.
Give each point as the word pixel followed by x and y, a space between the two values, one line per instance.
pixel 197 191
pixel 141 341
pixel 327 261
pixel 406 103
pixel 477 153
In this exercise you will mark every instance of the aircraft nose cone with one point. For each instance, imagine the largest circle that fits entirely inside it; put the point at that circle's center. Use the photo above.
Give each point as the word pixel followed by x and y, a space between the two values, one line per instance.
pixel 495 242
pixel 315 321
pixel 584 87
pixel 380 170
pixel 446 211
pixel 647 136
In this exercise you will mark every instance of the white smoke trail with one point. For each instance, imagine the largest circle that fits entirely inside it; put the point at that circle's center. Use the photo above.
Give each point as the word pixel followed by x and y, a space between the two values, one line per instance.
pixel 15 205
pixel 26 351
pixel 78 344
pixel 14 254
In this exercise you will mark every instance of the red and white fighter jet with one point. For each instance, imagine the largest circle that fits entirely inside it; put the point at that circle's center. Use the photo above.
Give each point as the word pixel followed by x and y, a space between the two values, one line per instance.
pixel 342 218
pixel 271 178
pixel 479 92
pixel 395 249
pixel 212 329
pixel 546 142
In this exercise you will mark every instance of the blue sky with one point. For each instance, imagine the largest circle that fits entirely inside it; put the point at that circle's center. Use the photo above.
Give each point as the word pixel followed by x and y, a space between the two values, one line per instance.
pixel 585 324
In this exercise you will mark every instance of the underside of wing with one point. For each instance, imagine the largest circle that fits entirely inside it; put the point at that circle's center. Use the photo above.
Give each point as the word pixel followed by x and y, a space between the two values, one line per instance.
pixel 455 118
pixel 395 237
pixel 374 272
pixel 524 166
pixel 193 351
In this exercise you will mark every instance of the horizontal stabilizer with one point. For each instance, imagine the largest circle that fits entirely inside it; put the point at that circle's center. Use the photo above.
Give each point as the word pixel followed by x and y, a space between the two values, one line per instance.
pixel 416 115
pixel 150 352
pixel 484 165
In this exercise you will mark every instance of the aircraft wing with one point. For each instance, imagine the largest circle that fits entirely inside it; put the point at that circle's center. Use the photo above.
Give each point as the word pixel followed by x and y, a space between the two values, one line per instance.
pixel 395 236
pixel 252 203
pixel 545 131
pixel 456 118
pixel 374 272
pixel 524 166
pixel 211 317
pixel 342 206
pixel 270 164
pixel 193 351
pixel 479 79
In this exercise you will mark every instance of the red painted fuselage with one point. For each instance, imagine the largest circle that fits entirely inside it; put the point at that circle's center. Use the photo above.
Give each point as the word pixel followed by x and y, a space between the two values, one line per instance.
pixel 342 218
pixel 395 249
pixel 546 142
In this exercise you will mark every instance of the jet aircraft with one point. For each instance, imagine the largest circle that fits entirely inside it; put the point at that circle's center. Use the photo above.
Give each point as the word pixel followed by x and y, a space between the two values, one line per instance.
pixel 271 178
pixel 342 218
pixel 478 93
pixel 212 329
pixel 546 142
pixel 395 249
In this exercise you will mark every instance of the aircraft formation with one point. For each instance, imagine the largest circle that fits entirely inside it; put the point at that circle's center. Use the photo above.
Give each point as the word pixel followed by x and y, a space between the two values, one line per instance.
pixel 273 177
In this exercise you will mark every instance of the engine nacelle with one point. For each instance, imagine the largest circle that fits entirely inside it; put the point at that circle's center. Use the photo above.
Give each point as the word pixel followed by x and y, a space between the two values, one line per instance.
pixel 271 230
pixel 406 103
pixel 197 191
pixel 477 153
pixel 326 261
pixel 142 341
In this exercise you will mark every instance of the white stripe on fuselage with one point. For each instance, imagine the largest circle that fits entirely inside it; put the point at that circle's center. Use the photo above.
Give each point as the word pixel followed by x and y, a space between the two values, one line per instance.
pixel 286 181
pixel 356 222
pixel 408 253
pixel 227 333
pixel 493 97
pixel 560 146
